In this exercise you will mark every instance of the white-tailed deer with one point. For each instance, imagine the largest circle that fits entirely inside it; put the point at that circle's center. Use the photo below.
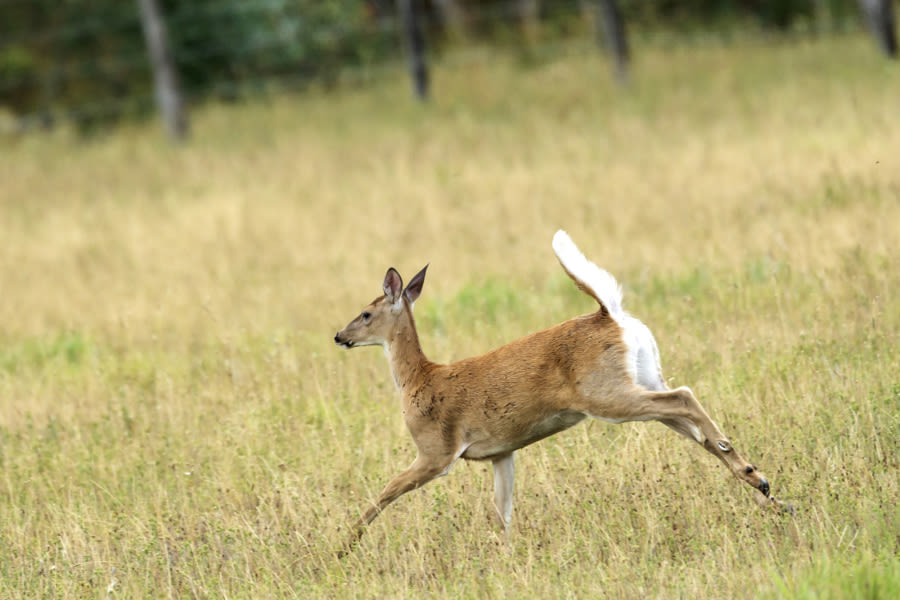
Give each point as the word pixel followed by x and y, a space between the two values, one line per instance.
pixel 603 365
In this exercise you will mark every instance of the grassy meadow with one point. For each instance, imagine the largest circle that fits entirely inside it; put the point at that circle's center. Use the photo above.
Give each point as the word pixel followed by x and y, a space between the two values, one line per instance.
pixel 176 422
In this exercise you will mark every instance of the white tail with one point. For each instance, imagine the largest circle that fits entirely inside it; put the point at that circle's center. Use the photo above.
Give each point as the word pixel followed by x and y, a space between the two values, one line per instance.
pixel 597 282
pixel 603 365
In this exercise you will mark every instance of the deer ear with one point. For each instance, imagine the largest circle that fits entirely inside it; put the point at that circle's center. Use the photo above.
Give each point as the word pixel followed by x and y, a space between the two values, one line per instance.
pixel 414 288
pixel 392 285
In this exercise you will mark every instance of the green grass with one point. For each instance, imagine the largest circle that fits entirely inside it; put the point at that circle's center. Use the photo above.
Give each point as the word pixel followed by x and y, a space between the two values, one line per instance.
pixel 175 420
pixel 864 577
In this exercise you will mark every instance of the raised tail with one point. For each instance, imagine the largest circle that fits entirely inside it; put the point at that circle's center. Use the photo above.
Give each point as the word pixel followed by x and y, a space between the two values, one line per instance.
pixel 590 278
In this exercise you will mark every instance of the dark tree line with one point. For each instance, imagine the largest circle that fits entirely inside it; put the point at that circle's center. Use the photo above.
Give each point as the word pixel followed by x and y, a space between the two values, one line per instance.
pixel 467 17
pixel 89 61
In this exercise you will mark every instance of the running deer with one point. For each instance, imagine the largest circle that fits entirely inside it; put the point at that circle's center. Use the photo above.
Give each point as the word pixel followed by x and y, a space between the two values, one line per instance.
pixel 603 365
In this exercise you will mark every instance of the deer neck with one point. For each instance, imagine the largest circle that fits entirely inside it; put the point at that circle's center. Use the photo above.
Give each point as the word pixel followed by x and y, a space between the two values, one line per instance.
pixel 405 354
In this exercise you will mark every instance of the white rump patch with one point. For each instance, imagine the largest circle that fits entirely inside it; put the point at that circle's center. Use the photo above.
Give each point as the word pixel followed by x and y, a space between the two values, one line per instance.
pixel 643 355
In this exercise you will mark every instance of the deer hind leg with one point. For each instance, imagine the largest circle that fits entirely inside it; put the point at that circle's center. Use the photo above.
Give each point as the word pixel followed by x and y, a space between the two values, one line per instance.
pixel 504 476
pixel 716 443
pixel 680 410
pixel 682 426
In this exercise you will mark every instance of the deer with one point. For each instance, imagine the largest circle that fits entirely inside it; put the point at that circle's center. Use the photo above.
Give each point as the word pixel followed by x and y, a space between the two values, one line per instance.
pixel 604 365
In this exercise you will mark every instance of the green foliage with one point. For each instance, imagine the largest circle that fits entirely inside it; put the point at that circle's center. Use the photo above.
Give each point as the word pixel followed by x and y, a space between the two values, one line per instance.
pixel 82 60
pixel 859 577
pixel 66 350
pixel 85 60
pixel 489 299
pixel 234 46
pixel 18 72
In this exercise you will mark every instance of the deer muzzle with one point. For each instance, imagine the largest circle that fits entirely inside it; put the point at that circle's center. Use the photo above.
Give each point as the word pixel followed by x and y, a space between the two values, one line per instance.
pixel 341 341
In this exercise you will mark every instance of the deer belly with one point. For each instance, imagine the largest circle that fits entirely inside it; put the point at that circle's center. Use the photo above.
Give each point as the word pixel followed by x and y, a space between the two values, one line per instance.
pixel 490 448
pixel 553 424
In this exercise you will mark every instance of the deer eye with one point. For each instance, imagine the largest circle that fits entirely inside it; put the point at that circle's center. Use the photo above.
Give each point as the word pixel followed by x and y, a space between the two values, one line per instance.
pixel 366 315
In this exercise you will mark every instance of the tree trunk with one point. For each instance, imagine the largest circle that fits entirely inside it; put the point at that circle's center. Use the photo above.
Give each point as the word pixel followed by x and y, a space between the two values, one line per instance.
pixel 879 15
pixel 415 45
pixel 612 25
pixel 165 78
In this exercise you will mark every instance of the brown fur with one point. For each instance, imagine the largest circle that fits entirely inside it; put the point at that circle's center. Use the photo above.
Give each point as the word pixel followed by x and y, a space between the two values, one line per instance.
pixel 487 407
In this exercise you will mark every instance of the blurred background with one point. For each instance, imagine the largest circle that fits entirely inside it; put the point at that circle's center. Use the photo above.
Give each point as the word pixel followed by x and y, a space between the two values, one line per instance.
pixel 195 195
pixel 91 64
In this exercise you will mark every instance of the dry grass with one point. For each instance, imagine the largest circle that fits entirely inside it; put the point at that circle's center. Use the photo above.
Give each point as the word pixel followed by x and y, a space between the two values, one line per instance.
pixel 175 422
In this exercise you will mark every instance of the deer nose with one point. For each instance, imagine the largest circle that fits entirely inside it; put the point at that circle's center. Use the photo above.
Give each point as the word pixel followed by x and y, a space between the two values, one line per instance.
pixel 337 338
pixel 764 486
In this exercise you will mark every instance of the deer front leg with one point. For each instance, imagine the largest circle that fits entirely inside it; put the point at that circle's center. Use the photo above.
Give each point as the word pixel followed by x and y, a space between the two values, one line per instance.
pixel 504 476
pixel 423 470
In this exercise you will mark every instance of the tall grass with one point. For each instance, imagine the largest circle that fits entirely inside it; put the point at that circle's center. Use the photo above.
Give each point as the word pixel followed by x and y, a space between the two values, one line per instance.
pixel 175 421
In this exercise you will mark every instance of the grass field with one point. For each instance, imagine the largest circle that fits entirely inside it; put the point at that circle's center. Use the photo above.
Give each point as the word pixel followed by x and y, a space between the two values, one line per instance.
pixel 176 422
